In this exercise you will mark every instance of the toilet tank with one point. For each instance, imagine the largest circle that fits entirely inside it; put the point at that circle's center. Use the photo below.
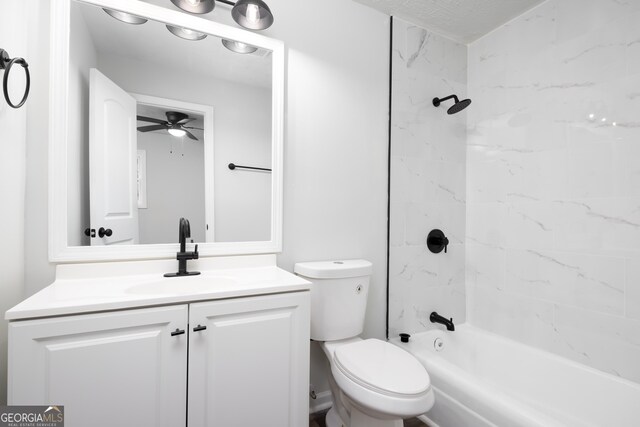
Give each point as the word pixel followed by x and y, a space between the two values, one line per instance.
pixel 339 292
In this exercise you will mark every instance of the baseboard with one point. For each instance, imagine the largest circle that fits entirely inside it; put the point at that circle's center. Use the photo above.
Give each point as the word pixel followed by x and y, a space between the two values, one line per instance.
pixel 322 402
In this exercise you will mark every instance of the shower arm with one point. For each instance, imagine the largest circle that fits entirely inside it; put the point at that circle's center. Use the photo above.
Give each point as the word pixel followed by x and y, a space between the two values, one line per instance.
pixel 446 98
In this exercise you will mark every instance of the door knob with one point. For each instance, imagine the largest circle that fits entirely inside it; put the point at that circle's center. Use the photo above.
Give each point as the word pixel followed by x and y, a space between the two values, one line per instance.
pixel 104 232
pixel 90 232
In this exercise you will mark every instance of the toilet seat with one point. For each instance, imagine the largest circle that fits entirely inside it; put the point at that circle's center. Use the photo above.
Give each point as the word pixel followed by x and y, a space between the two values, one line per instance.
pixel 382 377
pixel 382 367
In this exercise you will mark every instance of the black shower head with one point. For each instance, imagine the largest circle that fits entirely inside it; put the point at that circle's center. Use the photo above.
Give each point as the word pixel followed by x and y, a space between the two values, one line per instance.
pixel 456 107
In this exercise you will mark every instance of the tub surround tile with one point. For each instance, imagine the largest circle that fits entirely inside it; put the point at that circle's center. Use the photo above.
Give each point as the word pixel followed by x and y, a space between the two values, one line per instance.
pixel 517 317
pixel 632 309
pixel 534 183
pixel 608 343
pixel 553 182
pixel 592 282
pixel 428 179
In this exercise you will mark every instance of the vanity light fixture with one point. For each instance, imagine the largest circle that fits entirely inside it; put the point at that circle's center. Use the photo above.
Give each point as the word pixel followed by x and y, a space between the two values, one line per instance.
pixel 195 6
pixel 250 14
pixel 125 17
pixel 238 47
pixel 185 33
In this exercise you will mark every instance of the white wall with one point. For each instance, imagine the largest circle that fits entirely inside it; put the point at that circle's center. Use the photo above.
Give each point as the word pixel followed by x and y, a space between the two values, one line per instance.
pixel 336 140
pixel 13 38
pixel 335 192
pixel 175 194
pixel 553 187
pixel 427 179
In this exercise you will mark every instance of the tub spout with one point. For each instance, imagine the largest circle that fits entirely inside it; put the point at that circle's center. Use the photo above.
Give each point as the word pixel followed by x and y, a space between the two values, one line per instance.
pixel 436 318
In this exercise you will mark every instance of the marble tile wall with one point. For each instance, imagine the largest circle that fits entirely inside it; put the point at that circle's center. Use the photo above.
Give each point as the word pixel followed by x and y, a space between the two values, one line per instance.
pixel 553 182
pixel 428 149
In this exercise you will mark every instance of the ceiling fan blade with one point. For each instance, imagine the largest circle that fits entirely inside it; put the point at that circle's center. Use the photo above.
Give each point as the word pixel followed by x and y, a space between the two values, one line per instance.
pixel 190 135
pixel 151 119
pixel 151 128
pixel 185 121
pixel 190 127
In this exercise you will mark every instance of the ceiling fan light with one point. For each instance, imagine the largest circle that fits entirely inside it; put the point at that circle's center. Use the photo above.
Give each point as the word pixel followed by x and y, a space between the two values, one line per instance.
pixel 195 6
pixel 238 47
pixel 125 17
pixel 185 33
pixel 252 14
pixel 177 132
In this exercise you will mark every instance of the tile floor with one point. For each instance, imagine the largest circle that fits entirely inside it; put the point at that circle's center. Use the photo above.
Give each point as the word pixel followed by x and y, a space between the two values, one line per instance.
pixel 317 420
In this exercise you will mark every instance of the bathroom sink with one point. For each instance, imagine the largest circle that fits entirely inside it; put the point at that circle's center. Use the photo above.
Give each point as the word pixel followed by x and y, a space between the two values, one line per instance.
pixel 182 285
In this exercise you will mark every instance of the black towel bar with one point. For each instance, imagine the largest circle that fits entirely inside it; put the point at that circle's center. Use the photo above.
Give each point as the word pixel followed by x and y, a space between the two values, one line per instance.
pixel 233 166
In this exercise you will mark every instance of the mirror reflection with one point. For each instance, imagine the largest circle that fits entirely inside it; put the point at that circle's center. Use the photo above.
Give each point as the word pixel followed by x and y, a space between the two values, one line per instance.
pixel 157 113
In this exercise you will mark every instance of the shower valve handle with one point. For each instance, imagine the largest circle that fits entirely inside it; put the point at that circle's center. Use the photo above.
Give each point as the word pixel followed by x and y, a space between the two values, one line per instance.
pixel 437 241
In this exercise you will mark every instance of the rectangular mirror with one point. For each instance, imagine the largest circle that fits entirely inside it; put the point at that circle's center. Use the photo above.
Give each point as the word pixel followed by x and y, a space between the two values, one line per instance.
pixel 168 115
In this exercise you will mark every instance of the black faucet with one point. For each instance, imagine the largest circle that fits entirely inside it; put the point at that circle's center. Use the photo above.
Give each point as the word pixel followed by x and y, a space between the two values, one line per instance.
pixel 436 318
pixel 184 232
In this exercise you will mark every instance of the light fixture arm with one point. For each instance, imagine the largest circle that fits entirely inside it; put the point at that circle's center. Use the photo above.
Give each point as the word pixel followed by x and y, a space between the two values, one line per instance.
pixel 230 3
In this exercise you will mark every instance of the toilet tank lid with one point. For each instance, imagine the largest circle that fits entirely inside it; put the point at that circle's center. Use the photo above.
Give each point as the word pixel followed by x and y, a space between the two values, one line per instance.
pixel 338 269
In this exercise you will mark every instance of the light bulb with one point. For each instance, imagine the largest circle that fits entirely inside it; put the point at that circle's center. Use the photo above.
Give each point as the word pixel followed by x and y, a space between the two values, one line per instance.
pixel 185 33
pixel 238 47
pixel 193 2
pixel 177 132
pixel 253 13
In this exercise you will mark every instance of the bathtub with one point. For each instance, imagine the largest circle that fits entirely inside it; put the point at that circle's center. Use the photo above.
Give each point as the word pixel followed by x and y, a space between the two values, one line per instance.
pixel 482 379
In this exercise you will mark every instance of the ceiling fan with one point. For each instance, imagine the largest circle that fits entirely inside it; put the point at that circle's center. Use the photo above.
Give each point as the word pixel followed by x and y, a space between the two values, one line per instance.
pixel 175 124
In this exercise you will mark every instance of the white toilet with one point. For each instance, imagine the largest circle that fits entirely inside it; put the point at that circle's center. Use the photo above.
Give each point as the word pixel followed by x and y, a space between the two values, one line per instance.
pixel 374 383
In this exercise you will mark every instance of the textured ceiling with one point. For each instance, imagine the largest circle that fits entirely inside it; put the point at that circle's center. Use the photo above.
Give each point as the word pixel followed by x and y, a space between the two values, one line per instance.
pixel 461 20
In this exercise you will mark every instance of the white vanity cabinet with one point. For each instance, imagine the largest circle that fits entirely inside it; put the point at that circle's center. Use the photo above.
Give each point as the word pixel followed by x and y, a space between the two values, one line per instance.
pixel 246 363
pixel 117 368
pixel 249 367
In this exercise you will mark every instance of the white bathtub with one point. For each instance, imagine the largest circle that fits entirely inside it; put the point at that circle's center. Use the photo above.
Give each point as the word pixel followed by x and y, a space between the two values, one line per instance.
pixel 482 379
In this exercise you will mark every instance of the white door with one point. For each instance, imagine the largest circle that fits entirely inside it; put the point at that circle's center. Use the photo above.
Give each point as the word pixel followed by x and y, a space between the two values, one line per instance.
pixel 110 369
pixel 112 162
pixel 250 366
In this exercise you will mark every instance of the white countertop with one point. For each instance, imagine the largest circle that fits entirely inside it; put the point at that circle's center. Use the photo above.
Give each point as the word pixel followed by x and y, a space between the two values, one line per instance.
pixel 115 286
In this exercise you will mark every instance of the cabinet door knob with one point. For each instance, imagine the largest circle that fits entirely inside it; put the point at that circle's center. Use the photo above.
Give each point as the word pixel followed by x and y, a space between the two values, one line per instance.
pixel 104 232
pixel 177 332
pixel 90 232
pixel 199 328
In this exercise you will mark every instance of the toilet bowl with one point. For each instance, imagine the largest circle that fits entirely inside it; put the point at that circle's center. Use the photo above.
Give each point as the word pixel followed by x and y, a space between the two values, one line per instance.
pixel 379 380
pixel 373 383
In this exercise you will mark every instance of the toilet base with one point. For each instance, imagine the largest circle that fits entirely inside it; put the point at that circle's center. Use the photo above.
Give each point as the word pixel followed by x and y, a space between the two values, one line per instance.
pixel 332 419
pixel 358 419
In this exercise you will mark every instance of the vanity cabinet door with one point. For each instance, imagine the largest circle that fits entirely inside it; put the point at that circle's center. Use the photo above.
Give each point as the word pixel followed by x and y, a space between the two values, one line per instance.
pixel 250 366
pixel 109 369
